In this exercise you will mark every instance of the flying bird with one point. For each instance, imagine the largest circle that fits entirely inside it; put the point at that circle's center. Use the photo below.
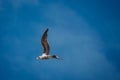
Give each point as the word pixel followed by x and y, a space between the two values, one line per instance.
pixel 46 49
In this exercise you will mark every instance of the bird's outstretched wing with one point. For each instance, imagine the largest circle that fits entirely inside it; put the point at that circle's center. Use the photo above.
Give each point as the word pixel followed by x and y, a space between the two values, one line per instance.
pixel 44 42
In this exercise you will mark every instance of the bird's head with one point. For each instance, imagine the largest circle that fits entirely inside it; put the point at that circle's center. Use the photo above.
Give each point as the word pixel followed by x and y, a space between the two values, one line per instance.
pixel 56 57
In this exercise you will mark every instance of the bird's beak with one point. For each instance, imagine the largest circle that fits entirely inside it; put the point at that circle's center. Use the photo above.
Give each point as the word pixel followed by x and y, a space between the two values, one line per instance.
pixel 59 58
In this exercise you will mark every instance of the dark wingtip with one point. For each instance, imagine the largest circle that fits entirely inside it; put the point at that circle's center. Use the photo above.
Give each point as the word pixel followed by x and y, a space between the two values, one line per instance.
pixel 46 30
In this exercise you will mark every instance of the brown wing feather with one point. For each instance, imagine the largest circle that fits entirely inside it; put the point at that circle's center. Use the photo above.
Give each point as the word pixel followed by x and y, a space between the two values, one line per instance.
pixel 44 42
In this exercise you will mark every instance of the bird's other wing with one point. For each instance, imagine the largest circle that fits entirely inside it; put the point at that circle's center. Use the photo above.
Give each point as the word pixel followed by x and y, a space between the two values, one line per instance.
pixel 44 42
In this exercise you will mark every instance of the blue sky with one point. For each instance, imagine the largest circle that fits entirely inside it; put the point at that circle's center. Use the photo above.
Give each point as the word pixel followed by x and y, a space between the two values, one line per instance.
pixel 86 33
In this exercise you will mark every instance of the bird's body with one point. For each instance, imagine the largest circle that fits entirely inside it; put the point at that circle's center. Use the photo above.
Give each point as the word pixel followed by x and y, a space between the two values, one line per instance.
pixel 44 56
pixel 46 49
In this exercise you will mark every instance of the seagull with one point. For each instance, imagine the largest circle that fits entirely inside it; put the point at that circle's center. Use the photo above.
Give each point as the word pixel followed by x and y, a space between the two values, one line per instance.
pixel 46 49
